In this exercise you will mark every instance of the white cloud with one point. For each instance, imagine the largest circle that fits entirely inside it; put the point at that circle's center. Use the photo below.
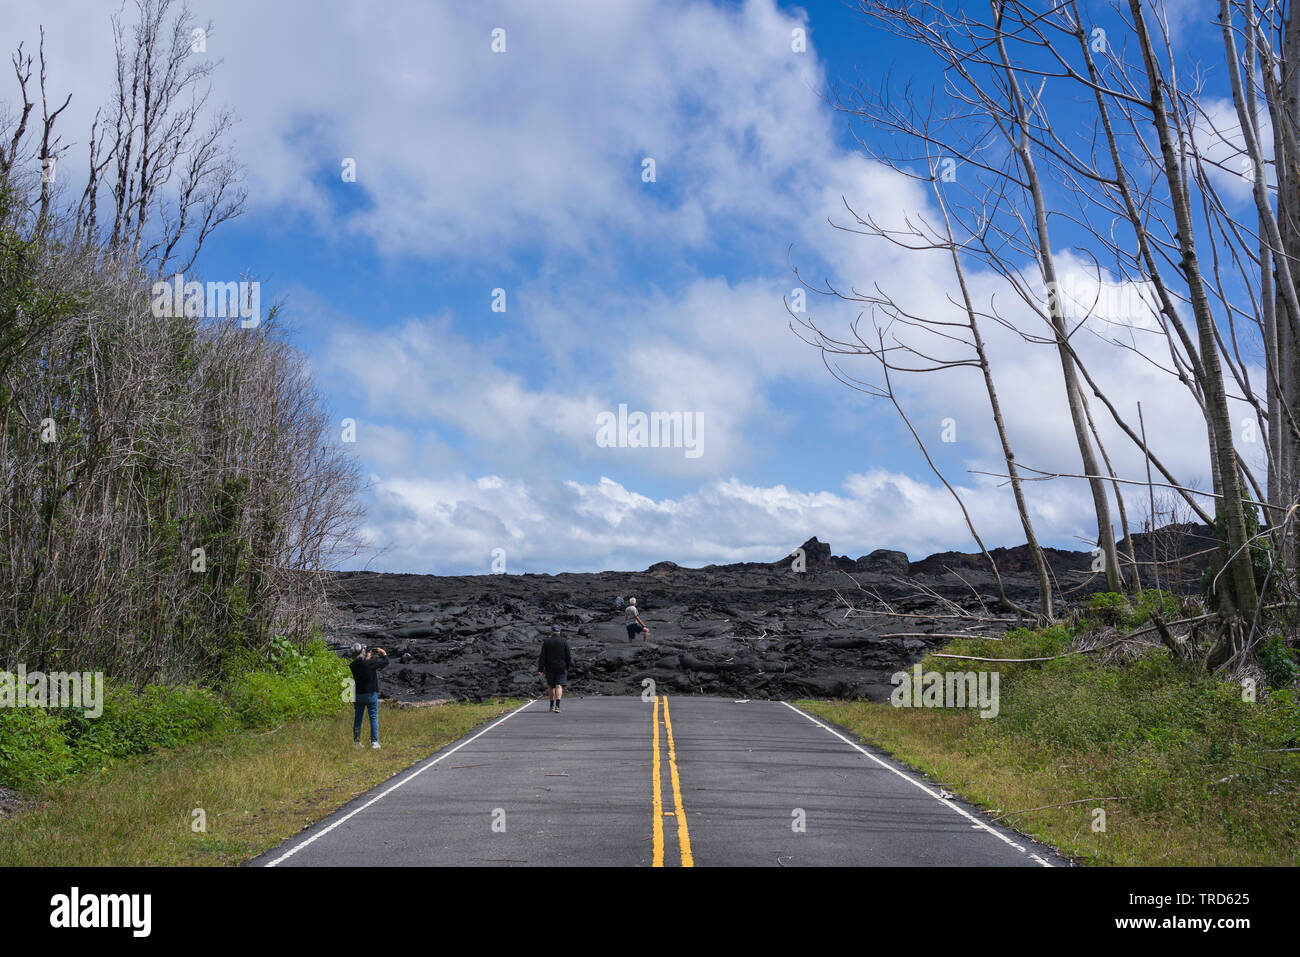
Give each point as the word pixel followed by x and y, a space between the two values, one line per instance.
pixel 466 157
pixel 465 151
pixel 1220 143
pixel 452 526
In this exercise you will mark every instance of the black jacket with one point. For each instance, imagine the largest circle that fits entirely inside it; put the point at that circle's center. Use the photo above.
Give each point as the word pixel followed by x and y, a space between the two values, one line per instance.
pixel 554 655
pixel 365 672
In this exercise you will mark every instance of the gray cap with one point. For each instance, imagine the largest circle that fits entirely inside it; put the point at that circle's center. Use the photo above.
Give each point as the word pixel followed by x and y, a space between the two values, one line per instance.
pixel 357 649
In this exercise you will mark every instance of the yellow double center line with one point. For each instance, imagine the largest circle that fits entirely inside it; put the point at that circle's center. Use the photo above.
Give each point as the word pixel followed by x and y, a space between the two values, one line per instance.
pixel 683 831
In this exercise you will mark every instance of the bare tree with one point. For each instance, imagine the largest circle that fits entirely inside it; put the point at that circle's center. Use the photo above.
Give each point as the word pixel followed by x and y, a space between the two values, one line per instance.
pixel 172 487
pixel 918 236
pixel 163 153
pixel 1137 177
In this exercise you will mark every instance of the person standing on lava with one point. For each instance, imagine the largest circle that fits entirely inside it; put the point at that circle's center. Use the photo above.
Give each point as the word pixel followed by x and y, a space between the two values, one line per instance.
pixel 635 625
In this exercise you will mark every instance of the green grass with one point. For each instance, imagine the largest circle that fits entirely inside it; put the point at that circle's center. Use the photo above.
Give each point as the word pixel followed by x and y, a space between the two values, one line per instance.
pixel 41 746
pixel 257 788
pixel 1193 771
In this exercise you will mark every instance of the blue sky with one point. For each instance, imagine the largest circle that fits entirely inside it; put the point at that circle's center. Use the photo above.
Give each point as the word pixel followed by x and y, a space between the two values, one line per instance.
pixel 522 171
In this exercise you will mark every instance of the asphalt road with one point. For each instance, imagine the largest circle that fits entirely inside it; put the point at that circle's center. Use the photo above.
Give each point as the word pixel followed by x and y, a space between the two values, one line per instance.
pixel 669 781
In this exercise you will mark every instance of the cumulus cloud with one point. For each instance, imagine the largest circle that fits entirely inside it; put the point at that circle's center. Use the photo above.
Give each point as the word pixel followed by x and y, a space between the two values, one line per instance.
pixel 453 526
pixel 1219 141
pixel 530 161
pixel 466 151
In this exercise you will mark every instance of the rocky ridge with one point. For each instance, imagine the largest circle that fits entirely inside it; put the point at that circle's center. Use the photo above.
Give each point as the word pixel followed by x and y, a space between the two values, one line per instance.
pixel 752 629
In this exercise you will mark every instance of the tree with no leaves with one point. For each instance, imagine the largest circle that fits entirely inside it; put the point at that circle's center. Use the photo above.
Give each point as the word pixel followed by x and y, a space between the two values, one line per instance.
pixel 1135 177
pixel 173 489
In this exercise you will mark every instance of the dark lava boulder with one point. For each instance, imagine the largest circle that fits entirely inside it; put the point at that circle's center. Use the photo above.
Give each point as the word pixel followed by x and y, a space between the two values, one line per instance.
pixel 940 562
pixel 816 553
pixel 817 557
pixel 884 561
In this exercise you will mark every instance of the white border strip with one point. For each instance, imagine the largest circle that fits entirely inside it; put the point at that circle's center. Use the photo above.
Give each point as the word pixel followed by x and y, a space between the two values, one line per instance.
pixel 378 797
pixel 911 780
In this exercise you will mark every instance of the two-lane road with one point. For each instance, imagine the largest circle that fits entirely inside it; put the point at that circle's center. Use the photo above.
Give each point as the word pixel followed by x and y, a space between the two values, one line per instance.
pixel 671 782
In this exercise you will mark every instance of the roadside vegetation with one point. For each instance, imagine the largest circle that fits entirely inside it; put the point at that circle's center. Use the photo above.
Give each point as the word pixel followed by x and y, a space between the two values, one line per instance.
pixel 249 691
pixel 175 487
pixel 1187 769
pixel 190 774
pixel 1001 186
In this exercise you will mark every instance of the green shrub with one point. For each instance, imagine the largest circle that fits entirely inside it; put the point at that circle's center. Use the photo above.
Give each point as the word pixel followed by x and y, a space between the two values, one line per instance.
pixel 1106 608
pixel 1117 611
pixel 307 684
pixel 1044 643
pixel 33 750
pixel 1278 662
pixel 157 717
pixel 1145 602
pixel 39 746
pixel 285 655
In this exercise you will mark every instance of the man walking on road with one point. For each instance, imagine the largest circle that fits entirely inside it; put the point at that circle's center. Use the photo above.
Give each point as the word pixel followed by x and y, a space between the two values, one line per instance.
pixel 553 665
pixel 365 675
pixel 634 623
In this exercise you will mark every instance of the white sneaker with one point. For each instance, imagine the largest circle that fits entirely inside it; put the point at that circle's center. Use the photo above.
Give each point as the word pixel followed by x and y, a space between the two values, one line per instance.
pixel 374 745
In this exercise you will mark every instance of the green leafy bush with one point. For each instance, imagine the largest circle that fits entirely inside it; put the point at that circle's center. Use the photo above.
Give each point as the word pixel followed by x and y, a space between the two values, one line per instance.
pixel 285 655
pixel 299 686
pixel 1116 611
pixel 157 717
pixel 33 750
pixel 1278 662
pixel 1106 608
pixel 39 746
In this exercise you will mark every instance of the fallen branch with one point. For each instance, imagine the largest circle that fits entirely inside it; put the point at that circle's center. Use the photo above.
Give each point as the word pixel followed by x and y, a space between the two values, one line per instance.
pixel 1062 804
pixel 1258 767
pixel 1197 619
pixel 1173 644
pixel 904 614
pixel 937 634
pixel 1081 651
pixel 1169 624
pixel 1012 660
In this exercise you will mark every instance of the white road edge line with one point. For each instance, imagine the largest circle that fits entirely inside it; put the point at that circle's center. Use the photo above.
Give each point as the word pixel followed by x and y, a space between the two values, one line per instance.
pixel 379 797
pixel 911 780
